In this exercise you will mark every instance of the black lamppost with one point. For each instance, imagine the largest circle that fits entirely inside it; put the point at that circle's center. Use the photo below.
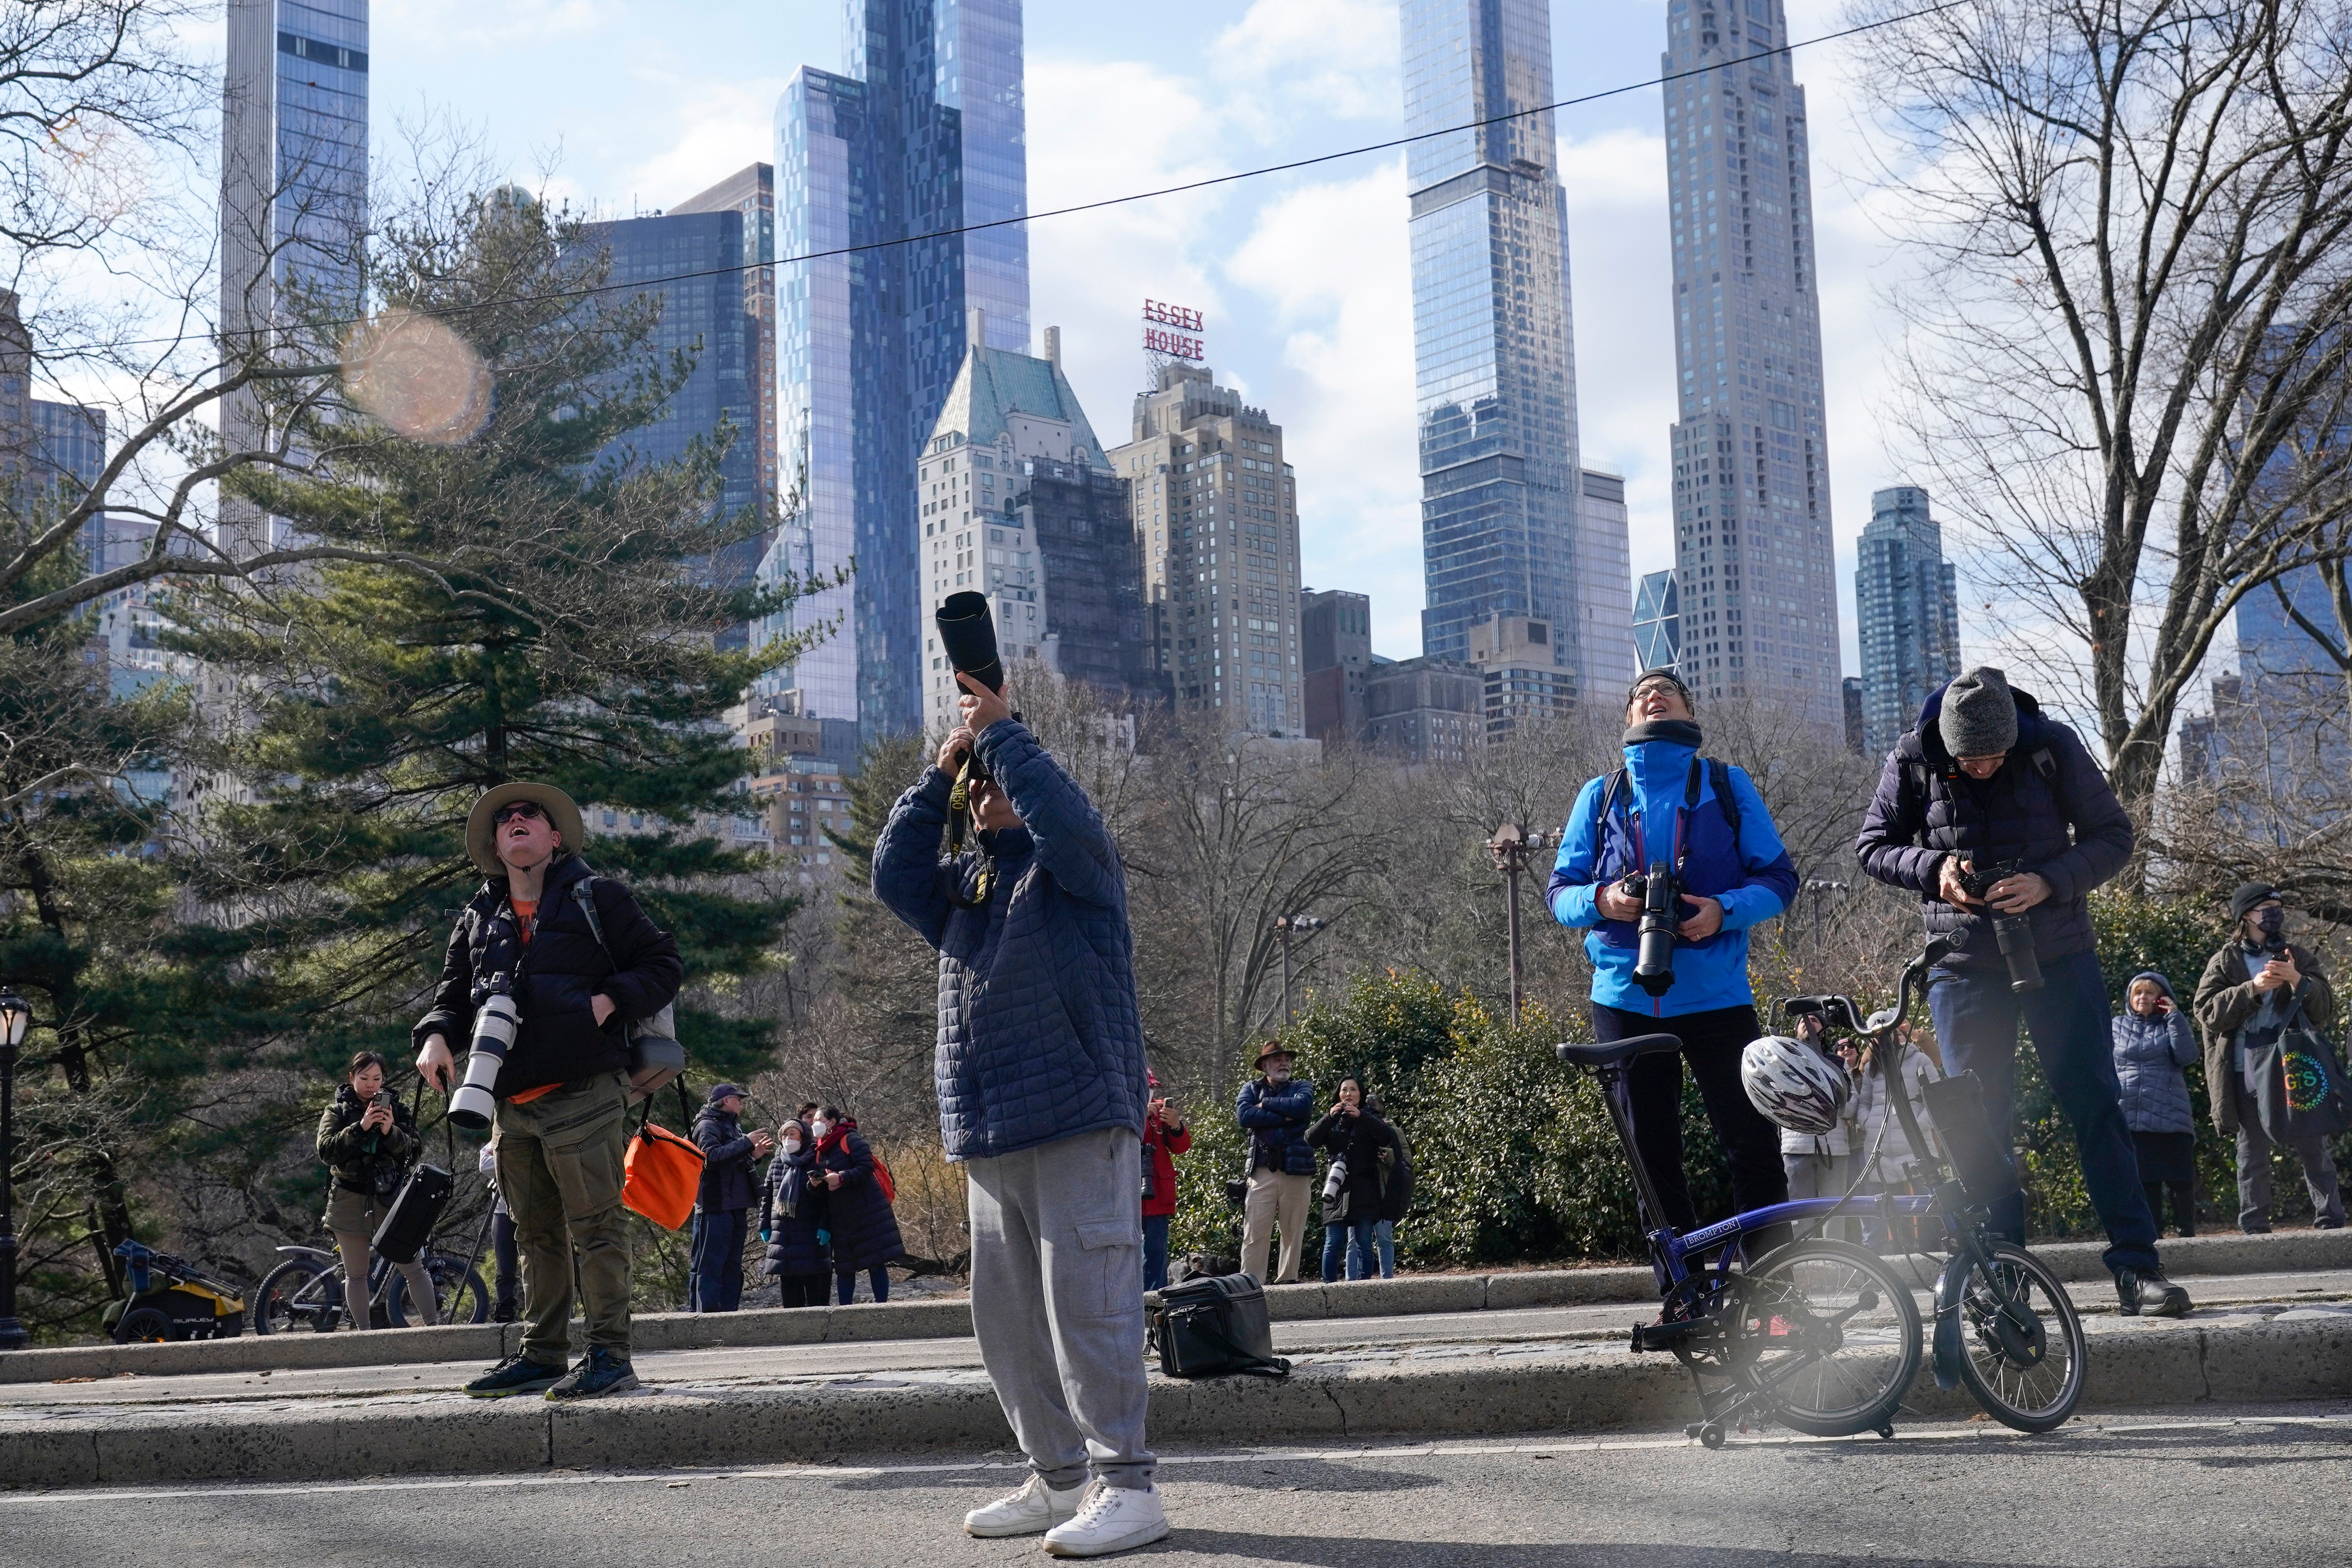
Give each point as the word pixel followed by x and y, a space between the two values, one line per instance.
pixel 1510 847
pixel 15 1019
pixel 1284 926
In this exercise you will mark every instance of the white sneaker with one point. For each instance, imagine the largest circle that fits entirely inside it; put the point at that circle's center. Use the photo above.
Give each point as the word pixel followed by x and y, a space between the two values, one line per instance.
pixel 1033 1509
pixel 1112 1519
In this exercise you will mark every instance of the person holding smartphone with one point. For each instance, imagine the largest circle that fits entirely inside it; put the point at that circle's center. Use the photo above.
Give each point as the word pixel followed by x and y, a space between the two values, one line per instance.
pixel 2153 1043
pixel 367 1138
pixel 1165 1136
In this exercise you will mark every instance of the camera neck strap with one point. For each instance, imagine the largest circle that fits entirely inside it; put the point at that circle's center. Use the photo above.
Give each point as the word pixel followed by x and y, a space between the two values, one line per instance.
pixel 1618 782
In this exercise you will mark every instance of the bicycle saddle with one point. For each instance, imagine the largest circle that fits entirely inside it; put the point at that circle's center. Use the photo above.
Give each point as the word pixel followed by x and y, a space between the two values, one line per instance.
pixel 1616 1053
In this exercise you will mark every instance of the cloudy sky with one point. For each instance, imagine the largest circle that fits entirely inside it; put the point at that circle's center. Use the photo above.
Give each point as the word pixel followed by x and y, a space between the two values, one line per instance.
pixel 634 104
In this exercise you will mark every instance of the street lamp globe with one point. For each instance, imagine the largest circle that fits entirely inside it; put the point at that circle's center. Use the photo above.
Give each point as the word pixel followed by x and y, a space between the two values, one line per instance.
pixel 15 1017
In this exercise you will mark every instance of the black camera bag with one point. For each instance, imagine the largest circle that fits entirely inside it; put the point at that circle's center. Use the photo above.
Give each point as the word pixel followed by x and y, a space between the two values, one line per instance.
pixel 1215 1327
pixel 412 1213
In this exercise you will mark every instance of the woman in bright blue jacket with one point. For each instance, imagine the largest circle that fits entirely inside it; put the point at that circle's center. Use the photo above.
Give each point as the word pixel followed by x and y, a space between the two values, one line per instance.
pixel 1670 806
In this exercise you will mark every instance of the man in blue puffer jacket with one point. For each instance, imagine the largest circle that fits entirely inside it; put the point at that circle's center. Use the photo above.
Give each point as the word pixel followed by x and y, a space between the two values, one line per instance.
pixel 1670 806
pixel 1041 1089
pixel 1276 1110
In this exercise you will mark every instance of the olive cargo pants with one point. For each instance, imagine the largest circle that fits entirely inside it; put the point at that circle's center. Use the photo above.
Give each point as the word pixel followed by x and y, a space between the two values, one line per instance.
pixel 560 1172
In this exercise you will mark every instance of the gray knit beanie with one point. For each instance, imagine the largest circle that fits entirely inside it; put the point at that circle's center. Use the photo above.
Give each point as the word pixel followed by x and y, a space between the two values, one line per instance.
pixel 1980 716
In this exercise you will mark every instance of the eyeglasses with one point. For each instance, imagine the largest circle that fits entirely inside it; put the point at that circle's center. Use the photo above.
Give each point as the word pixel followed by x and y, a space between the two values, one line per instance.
pixel 523 808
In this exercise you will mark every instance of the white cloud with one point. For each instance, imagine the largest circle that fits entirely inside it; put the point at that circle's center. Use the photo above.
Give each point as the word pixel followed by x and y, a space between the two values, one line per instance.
pixel 1319 58
pixel 711 128
pixel 1329 264
pixel 459 24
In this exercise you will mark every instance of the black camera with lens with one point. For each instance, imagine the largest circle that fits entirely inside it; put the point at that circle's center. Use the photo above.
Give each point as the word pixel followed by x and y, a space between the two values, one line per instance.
pixel 2014 933
pixel 1662 917
pixel 968 636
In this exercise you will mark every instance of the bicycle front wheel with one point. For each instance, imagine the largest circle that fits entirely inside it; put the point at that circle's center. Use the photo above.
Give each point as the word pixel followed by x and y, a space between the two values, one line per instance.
pixel 1830 1336
pixel 2022 1354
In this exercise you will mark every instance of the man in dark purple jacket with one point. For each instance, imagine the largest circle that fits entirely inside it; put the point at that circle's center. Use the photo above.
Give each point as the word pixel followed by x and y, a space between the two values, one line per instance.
pixel 1985 779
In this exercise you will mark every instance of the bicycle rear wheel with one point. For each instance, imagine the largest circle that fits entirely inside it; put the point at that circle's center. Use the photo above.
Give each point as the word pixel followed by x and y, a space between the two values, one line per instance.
pixel 2022 1354
pixel 458 1295
pixel 1831 1337
pixel 297 1294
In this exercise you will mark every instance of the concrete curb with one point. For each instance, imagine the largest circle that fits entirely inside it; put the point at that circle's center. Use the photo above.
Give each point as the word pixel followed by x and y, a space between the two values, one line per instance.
pixel 2285 1252
pixel 1580 1389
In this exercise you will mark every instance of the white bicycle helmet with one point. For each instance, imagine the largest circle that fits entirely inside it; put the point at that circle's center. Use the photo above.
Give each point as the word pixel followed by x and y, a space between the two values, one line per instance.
pixel 1794 1084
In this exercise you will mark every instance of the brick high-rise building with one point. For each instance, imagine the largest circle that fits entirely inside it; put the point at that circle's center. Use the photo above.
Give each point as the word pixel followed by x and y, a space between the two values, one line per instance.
pixel 1752 542
pixel 1335 654
pixel 1216 518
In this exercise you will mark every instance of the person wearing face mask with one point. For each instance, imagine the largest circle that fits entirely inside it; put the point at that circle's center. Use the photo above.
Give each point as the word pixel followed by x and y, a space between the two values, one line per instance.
pixel 2251 989
pixel 1669 805
pixel 1987 785
pixel 1043 1093
pixel 859 1223
pixel 792 1220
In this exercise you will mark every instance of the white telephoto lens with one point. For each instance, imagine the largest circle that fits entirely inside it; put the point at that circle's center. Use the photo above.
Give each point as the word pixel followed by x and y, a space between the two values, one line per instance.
pixel 473 1105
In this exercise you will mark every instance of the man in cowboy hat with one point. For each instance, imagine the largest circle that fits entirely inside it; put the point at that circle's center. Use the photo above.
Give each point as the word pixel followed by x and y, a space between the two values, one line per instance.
pixel 563 1091
pixel 1275 1109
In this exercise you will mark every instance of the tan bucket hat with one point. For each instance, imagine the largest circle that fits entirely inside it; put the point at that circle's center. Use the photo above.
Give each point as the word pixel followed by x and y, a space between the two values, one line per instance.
pixel 558 806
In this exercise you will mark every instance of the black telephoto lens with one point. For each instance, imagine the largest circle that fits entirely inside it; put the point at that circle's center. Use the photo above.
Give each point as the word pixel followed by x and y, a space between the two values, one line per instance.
pixel 2015 934
pixel 968 633
pixel 1653 968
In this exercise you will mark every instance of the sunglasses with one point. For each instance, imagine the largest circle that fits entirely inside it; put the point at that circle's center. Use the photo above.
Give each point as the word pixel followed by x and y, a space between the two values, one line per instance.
pixel 522 808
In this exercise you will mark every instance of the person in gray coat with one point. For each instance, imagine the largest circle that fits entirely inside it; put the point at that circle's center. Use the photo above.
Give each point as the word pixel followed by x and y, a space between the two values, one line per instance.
pixel 1042 1092
pixel 2153 1042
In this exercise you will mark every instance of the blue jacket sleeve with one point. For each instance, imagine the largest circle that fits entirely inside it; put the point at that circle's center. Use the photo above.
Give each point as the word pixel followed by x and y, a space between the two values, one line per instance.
pixel 1772 884
pixel 718 1149
pixel 1250 1110
pixel 2184 1049
pixel 908 875
pixel 1569 895
pixel 1885 847
pixel 1071 841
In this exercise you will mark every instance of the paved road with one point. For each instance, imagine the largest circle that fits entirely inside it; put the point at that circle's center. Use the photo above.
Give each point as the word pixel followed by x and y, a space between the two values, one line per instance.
pixel 2262 1486
pixel 1599 1326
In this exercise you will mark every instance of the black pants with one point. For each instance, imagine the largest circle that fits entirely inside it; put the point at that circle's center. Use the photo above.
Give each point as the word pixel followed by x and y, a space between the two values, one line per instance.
pixel 805 1290
pixel 2184 1204
pixel 1712 1042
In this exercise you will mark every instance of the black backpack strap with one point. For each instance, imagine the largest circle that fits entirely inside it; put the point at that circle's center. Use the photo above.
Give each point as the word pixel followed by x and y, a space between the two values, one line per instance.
pixel 583 893
pixel 1721 773
pixel 2045 764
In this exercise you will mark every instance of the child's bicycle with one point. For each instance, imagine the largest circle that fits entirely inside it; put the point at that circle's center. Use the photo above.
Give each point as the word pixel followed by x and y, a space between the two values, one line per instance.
pixel 1823 1336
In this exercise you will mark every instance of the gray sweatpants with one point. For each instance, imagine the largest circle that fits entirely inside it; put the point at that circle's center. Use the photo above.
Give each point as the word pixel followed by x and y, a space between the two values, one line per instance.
pixel 2255 1147
pixel 1057 1303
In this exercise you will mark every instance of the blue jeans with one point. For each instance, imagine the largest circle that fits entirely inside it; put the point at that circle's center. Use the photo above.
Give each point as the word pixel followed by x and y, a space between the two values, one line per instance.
pixel 717 1260
pixel 1363 1256
pixel 845 1283
pixel 1384 1234
pixel 1976 1016
pixel 1155 1251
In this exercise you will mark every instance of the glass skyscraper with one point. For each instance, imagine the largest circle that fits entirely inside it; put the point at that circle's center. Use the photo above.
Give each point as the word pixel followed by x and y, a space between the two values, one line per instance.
pixel 704 315
pixel 1752 541
pixel 1495 355
pixel 1907 608
pixel 922 132
pixel 1657 622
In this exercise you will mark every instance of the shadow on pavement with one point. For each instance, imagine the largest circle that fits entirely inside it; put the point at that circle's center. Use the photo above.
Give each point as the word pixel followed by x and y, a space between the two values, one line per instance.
pixel 1337 1552
pixel 1318 1476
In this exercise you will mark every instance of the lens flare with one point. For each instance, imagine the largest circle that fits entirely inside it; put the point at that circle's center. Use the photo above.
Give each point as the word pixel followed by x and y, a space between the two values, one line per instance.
pixel 418 376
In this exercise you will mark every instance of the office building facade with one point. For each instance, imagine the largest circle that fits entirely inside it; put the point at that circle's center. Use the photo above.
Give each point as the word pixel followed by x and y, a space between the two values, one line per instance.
pixel 1752 538
pixel 294 187
pixel 1334 655
pixel 1425 710
pixel 922 133
pixel 752 192
pixel 1503 525
pixel 1606 577
pixel 1215 511
pixel 691 263
pixel 1523 688
pixel 1907 608
pixel 1018 502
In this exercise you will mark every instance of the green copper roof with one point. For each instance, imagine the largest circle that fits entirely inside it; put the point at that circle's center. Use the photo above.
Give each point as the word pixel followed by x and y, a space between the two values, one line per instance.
pixel 996 383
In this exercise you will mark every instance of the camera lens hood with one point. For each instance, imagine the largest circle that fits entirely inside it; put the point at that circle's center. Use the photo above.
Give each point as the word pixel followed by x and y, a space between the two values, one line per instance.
pixel 968 634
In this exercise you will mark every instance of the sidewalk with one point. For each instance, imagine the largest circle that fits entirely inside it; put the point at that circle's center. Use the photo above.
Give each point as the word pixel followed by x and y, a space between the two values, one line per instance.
pixel 1548 1370
pixel 2284 1253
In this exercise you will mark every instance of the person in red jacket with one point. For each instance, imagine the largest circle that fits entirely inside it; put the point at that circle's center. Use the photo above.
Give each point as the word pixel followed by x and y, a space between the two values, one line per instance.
pixel 1165 1136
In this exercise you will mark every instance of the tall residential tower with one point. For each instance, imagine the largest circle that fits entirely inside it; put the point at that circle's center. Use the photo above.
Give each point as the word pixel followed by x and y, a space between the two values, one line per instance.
pixel 1504 523
pixel 922 133
pixel 1752 541
pixel 294 183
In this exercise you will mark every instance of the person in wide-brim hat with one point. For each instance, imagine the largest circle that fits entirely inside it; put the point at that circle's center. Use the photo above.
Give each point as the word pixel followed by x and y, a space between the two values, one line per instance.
pixel 481 832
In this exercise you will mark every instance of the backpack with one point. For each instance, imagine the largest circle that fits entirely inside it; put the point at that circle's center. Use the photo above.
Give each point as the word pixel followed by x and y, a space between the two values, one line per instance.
pixel 655 1055
pixel 882 1176
pixel 1922 776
